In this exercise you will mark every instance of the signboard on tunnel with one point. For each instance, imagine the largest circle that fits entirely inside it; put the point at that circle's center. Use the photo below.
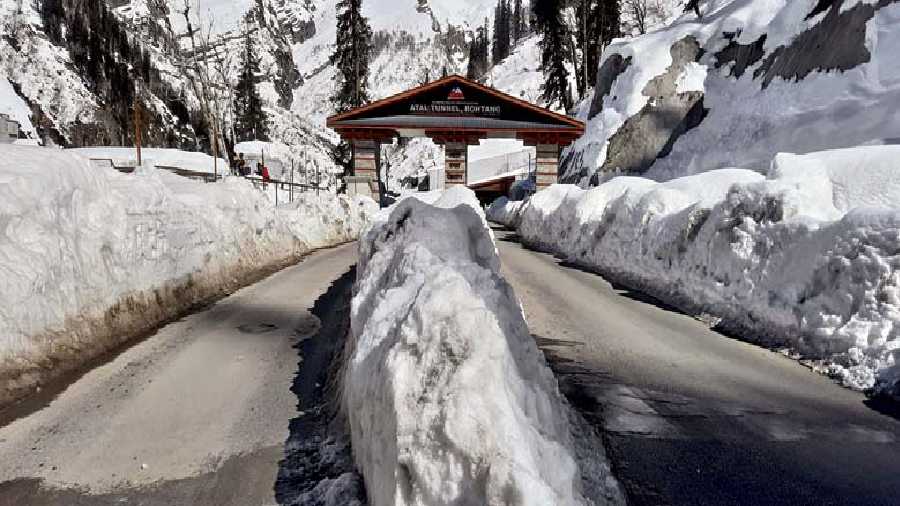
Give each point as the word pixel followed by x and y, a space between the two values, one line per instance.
pixel 456 104
pixel 453 108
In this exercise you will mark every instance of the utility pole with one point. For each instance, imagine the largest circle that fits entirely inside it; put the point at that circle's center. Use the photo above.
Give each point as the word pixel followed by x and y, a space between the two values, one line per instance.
pixel 137 129
pixel 355 61
pixel 306 173
pixel 215 151
pixel 586 43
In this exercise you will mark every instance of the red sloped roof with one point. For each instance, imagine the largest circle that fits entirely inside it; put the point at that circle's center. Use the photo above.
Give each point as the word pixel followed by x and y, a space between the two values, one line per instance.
pixel 516 102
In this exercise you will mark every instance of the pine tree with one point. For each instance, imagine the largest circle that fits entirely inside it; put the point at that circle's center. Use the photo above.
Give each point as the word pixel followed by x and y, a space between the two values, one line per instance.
pixel 555 37
pixel 502 25
pixel 495 38
pixel 52 14
pixel 249 117
pixel 478 54
pixel 518 22
pixel 693 5
pixel 598 23
pixel 507 29
pixel 351 56
pixel 485 49
pixel 472 68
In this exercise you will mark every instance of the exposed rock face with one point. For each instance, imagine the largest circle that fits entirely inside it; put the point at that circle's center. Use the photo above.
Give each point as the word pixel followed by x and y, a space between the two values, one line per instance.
pixel 741 55
pixel 651 133
pixel 837 42
pixel 275 40
pixel 730 109
pixel 612 68
pixel 296 20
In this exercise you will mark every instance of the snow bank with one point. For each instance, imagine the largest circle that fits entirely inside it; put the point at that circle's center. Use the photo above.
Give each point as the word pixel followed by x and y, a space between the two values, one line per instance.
pixel 89 257
pixel 808 258
pixel 505 211
pixel 449 399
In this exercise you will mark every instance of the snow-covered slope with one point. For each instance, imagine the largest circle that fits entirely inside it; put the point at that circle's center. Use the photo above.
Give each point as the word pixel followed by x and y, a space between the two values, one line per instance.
pixel 449 399
pixel 807 259
pixel 748 80
pixel 40 71
pixel 12 105
pixel 89 256
pixel 414 41
pixel 412 44
pixel 520 74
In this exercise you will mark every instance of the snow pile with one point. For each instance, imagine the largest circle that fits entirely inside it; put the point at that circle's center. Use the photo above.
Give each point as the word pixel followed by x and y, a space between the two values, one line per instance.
pixel 747 80
pixel 449 399
pixel 90 257
pixel 505 211
pixel 808 258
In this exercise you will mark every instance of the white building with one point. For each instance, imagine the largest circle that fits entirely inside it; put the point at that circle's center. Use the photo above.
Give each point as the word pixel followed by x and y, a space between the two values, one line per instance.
pixel 9 129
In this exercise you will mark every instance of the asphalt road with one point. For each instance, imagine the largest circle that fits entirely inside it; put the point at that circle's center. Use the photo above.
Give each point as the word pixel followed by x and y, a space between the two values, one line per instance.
pixel 692 417
pixel 196 414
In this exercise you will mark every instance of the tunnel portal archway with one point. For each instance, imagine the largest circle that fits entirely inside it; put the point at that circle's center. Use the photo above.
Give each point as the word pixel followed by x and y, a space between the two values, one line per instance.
pixel 456 113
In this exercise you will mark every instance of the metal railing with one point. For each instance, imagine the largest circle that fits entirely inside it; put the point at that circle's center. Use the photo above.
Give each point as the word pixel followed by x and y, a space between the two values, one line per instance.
pixel 485 169
pixel 287 188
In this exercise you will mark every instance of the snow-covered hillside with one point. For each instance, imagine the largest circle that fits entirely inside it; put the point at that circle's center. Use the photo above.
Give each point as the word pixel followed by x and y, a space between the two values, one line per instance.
pixel 746 81
pixel 39 72
pixel 90 256
pixel 807 259
pixel 412 45
pixel 12 105
pixel 414 41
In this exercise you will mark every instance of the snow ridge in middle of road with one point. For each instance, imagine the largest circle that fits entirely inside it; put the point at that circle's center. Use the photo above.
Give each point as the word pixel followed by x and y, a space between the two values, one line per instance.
pixel 448 397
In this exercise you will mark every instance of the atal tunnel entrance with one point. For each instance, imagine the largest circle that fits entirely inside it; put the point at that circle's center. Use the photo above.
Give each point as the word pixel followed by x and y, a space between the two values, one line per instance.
pixel 455 113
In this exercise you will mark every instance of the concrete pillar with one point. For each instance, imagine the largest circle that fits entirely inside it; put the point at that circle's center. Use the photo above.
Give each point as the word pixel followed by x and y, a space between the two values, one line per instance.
pixel 366 155
pixel 456 155
pixel 547 165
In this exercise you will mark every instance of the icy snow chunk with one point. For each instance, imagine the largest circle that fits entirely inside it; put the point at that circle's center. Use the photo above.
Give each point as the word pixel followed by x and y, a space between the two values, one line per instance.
pixel 449 399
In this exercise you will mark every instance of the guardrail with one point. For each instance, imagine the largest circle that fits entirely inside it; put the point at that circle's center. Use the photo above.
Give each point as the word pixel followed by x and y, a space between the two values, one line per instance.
pixel 485 169
pixel 287 187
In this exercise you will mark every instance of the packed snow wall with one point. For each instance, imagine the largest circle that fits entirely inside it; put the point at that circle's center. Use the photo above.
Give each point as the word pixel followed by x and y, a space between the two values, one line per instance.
pixel 806 259
pixel 91 257
pixel 745 81
pixel 449 399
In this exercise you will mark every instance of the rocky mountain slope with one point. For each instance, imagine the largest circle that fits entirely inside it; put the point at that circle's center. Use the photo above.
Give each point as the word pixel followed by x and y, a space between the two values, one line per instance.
pixel 151 40
pixel 183 51
pixel 745 81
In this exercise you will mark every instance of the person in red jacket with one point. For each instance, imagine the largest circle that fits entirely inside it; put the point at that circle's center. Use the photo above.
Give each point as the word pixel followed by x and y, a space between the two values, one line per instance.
pixel 264 172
